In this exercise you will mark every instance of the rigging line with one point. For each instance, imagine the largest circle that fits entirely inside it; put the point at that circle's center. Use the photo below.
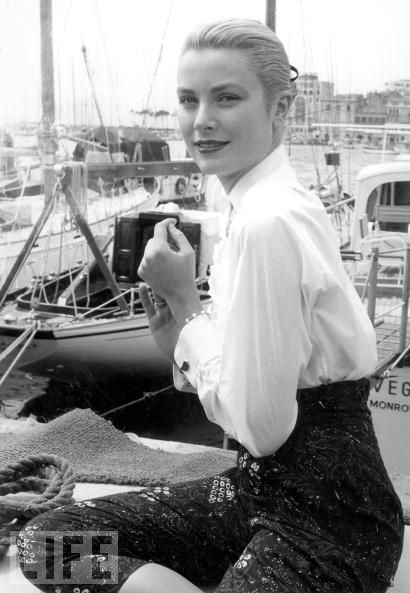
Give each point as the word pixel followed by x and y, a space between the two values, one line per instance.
pixel 29 339
pixel 5 18
pixel 159 58
pixel 107 57
pixel 63 31
pixel 330 60
pixel 2 55
pixel 309 61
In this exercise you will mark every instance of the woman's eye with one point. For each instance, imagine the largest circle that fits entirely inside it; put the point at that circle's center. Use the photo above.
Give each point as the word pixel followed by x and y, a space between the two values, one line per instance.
pixel 187 100
pixel 228 98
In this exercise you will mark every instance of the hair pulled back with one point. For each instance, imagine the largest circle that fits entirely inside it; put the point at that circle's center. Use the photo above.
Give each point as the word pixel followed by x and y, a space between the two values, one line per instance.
pixel 262 47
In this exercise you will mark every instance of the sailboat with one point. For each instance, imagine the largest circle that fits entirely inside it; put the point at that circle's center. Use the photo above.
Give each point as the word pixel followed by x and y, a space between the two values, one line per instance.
pixel 85 312
pixel 60 245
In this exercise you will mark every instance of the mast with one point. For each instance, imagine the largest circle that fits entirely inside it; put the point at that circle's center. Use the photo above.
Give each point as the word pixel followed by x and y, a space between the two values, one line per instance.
pixel 74 100
pixel 46 137
pixel 97 105
pixel 91 79
pixel 270 14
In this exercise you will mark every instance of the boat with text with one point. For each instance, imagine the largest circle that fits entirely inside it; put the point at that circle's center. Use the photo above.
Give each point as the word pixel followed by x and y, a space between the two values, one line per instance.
pixel 378 261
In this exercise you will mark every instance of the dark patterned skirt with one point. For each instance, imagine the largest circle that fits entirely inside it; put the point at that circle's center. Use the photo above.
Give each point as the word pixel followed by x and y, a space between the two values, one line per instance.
pixel 320 515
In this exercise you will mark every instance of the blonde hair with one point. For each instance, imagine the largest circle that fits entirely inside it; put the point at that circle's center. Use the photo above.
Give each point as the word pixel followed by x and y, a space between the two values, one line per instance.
pixel 263 48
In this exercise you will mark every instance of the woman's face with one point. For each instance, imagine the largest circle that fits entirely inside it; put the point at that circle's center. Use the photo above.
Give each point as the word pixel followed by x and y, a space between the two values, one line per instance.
pixel 223 115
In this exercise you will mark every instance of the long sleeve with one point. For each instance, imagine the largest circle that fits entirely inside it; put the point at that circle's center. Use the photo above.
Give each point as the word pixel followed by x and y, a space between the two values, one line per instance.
pixel 247 375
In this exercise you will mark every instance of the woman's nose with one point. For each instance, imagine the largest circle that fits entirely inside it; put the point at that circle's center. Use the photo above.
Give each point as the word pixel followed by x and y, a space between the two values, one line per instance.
pixel 205 118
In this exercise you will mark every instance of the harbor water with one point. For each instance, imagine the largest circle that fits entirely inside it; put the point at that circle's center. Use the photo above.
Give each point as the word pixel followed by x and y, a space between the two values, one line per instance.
pixel 153 397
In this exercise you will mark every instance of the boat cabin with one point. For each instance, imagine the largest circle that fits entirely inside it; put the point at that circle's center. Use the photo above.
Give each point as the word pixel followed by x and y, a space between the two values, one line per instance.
pixel 382 199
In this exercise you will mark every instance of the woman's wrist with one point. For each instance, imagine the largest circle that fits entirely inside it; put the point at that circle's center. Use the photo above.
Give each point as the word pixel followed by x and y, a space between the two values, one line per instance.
pixel 185 307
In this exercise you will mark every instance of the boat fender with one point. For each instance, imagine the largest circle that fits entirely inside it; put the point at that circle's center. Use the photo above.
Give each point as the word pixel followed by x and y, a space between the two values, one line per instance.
pixel 180 186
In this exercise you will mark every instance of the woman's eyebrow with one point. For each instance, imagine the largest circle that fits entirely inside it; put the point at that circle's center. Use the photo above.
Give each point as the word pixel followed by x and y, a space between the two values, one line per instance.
pixel 227 85
pixel 181 89
pixel 215 89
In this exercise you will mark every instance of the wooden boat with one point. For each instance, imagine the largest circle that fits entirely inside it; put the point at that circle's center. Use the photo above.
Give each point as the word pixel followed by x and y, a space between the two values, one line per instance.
pixel 60 244
pixel 104 198
pixel 90 317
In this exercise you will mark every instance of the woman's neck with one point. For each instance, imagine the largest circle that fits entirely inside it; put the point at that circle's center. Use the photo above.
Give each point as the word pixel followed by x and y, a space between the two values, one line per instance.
pixel 229 181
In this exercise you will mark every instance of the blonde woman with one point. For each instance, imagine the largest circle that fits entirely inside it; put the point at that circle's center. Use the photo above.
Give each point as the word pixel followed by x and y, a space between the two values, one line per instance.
pixel 280 363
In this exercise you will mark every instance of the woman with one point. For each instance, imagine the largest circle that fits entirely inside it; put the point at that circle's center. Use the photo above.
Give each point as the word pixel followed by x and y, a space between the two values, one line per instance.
pixel 279 363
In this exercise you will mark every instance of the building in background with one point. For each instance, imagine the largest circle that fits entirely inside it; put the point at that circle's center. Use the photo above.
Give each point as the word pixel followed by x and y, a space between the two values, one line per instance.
pixel 316 103
pixel 401 86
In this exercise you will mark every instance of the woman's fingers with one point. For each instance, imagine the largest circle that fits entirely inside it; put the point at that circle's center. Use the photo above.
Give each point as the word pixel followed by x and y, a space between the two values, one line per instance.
pixel 165 232
pixel 146 300
pixel 158 300
pixel 177 238
pixel 161 230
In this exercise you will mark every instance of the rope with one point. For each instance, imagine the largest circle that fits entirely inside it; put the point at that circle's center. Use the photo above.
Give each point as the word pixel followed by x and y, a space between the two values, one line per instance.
pixel 27 335
pixel 49 475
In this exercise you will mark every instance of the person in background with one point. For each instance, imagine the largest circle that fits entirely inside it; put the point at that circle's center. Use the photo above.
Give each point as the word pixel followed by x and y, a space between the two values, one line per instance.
pixel 280 361
pixel 7 164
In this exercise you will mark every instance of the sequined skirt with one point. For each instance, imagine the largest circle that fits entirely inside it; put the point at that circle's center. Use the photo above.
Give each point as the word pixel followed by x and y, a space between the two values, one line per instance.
pixel 325 495
pixel 319 515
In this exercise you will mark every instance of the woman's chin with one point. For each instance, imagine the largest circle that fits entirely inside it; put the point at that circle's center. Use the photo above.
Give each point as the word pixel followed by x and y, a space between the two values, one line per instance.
pixel 208 165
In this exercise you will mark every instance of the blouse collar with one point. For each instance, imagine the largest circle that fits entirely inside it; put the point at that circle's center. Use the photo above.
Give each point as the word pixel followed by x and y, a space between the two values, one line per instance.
pixel 276 163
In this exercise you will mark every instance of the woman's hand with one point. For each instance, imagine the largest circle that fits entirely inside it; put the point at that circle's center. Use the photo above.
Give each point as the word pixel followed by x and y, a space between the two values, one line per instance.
pixel 163 326
pixel 168 266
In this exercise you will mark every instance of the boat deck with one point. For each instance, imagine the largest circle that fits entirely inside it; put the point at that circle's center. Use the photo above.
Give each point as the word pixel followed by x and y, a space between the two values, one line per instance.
pixel 388 344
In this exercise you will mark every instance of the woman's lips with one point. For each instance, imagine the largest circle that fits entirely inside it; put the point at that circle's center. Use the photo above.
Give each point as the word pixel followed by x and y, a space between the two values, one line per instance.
pixel 209 145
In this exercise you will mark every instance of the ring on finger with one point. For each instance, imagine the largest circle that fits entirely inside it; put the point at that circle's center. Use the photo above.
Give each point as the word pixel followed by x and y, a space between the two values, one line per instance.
pixel 159 304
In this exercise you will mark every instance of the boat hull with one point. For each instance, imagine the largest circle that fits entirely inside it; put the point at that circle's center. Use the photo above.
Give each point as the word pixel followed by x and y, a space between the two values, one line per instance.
pixel 98 347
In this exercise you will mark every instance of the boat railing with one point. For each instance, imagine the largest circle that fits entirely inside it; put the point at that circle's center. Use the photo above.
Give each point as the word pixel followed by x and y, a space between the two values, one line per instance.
pixel 135 302
pixel 393 339
pixel 92 311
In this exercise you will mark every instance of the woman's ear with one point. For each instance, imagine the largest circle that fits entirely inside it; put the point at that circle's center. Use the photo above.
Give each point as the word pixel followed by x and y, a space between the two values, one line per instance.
pixel 282 106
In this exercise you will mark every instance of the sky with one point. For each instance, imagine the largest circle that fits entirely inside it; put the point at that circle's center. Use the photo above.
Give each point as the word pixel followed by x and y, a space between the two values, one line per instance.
pixel 132 49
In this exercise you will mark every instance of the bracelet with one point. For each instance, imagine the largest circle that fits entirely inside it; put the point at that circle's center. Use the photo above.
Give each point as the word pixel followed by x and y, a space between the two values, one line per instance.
pixel 195 316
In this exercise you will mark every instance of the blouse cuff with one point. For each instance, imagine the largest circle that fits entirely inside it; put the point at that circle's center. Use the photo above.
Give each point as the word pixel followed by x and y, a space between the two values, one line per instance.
pixel 181 383
pixel 197 345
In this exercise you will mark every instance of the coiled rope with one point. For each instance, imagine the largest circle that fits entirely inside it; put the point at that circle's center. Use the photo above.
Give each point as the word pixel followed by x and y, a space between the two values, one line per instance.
pixel 49 475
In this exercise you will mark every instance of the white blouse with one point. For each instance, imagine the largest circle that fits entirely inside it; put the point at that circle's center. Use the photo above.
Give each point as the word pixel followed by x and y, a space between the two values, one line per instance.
pixel 285 314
